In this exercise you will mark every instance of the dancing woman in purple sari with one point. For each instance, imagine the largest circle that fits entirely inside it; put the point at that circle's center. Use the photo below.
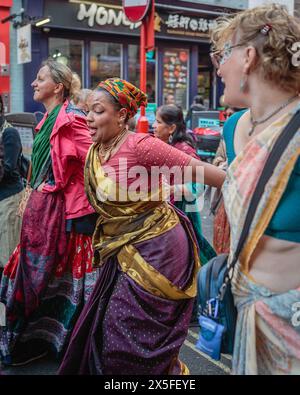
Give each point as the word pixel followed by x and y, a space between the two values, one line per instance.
pixel 137 318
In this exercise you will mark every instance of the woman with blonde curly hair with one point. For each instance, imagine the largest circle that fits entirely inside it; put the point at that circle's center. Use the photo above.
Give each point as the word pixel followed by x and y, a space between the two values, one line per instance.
pixel 254 55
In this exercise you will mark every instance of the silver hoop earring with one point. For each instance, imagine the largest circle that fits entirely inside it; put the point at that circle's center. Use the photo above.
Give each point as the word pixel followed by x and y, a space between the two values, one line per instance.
pixel 170 139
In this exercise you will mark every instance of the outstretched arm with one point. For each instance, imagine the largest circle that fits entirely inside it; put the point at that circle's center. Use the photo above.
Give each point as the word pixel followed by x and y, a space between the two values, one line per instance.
pixel 153 152
pixel 212 175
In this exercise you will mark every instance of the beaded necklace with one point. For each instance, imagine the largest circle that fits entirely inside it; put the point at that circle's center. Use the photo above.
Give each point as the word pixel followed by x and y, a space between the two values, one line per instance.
pixel 105 151
pixel 254 123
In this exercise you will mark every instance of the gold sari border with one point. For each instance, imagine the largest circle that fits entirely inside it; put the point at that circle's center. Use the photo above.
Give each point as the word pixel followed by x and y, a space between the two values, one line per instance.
pixel 134 265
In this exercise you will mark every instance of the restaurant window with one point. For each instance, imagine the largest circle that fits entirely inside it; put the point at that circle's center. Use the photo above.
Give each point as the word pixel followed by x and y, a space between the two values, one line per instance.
pixel 204 86
pixel 68 52
pixel 105 62
pixel 175 76
pixel 134 70
pixel 205 78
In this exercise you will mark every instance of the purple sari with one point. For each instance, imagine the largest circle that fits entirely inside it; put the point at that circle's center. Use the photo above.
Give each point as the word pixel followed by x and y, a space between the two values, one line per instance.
pixel 124 329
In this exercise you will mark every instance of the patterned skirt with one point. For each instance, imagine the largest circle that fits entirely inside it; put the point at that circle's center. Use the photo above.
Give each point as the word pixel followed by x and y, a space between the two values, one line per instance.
pixel 47 279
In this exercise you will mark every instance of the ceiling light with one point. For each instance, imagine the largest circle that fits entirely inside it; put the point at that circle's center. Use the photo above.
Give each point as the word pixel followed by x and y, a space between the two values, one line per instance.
pixel 42 22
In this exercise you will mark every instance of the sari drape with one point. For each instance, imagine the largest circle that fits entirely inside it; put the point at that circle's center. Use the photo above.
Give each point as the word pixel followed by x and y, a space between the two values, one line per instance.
pixel 266 340
pixel 138 315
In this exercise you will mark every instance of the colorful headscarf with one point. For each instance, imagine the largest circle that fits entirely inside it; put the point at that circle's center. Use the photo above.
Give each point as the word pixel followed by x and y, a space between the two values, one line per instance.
pixel 128 95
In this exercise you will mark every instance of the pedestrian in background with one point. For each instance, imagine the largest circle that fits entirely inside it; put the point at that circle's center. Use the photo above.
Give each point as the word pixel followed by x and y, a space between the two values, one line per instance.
pixel 11 188
pixel 197 105
pixel 170 127
pixel 80 99
pixel 253 52
pixel 170 99
pixel 138 316
pixel 49 276
pixel 76 86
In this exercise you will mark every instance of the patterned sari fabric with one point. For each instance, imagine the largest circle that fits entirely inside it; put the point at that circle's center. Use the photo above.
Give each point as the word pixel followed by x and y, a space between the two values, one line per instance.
pixel 45 279
pixel 267 337
pixel 221 231
pixel 138 315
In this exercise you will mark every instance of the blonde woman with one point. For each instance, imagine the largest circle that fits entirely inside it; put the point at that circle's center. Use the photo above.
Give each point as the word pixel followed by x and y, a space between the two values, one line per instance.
pixel 49 276
pixel 253 52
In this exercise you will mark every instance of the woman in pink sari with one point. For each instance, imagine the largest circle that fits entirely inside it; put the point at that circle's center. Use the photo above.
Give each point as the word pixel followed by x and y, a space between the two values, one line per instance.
pixel 138 315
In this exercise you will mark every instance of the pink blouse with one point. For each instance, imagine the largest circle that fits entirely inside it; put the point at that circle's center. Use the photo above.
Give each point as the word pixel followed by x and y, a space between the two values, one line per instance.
pixel 139 156
pixel 187 149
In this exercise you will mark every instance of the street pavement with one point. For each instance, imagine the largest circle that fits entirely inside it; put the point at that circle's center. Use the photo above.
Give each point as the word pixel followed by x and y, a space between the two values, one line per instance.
pixel 197 362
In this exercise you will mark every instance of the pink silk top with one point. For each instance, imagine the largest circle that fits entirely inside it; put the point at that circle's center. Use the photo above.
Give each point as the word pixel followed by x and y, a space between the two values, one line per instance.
pixel 187 149
pixel 143 152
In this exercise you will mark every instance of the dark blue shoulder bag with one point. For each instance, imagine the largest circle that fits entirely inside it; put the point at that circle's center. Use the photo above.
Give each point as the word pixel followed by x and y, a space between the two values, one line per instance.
pixel 217 311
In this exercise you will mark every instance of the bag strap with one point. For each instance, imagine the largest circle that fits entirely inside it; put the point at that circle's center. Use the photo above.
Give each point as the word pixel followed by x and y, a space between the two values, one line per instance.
pixel 271 162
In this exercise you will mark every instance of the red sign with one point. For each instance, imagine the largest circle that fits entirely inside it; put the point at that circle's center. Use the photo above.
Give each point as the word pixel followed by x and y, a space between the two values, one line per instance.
pixel 135 10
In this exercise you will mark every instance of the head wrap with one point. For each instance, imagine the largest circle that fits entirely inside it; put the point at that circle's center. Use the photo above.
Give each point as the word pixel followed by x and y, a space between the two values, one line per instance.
pixel 128 95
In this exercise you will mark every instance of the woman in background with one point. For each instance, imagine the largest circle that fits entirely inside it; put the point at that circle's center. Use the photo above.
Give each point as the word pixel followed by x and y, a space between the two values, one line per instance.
pixel 170 127
pixel 11 189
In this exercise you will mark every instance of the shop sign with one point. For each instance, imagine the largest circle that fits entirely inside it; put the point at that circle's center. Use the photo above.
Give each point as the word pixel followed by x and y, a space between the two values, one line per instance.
pixel 24 44
pixel 184 25
pixel 102 16
pixel 110 17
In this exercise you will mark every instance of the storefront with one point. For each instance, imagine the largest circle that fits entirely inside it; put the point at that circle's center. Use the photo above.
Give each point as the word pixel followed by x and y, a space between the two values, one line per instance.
pixel 97 41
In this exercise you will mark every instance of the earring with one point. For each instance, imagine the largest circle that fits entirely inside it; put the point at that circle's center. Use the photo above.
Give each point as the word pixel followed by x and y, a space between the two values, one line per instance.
pixel 170 139
pixel 243 83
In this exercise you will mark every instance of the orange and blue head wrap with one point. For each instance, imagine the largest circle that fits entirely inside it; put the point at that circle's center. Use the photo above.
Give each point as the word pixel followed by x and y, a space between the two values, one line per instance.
pixel 128 95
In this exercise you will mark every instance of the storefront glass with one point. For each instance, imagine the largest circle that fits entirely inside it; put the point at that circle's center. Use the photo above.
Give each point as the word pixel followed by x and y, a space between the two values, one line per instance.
pixel 68 52
pixel 175 77
pixel 205 78
pixel 105 62
pixel 204 86
pixel 134 70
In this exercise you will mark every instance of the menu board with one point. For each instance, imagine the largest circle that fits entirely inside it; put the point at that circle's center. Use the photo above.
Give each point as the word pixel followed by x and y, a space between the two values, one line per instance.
pixel 175 76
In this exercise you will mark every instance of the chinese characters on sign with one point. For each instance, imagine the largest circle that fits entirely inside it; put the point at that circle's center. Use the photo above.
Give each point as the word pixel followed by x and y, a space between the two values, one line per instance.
pixel 191 24
pixel 175 24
